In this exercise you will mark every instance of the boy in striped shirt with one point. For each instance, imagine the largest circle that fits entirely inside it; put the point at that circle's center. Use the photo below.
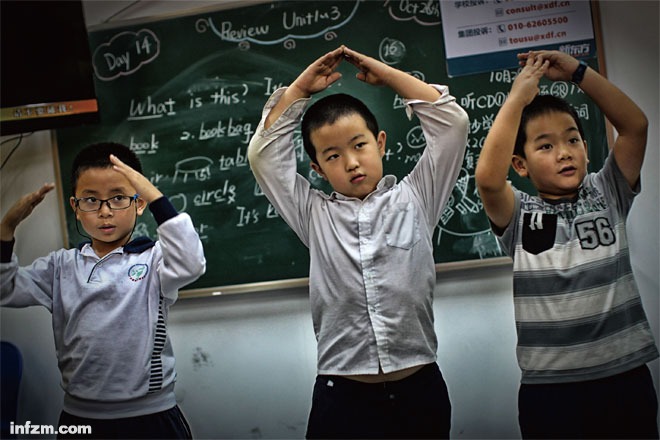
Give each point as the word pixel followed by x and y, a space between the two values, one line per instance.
pixel 583 336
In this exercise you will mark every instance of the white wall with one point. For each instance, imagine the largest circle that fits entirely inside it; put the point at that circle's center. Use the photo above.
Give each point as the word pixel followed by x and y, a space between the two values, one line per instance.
pixel 246 362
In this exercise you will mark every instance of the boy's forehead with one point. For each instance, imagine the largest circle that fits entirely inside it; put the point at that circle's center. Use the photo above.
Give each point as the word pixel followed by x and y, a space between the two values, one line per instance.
pixel 550 114
pixel 101 179
pixel 352 116
pixel 88 172
pixel 555 119
pixel 342 129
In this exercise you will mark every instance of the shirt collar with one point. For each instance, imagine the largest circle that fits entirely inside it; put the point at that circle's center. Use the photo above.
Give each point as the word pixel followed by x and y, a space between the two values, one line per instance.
pixel 385 184
pixel 136 246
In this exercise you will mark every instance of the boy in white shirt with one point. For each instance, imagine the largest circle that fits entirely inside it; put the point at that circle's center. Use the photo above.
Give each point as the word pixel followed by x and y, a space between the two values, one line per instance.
pixel 372 273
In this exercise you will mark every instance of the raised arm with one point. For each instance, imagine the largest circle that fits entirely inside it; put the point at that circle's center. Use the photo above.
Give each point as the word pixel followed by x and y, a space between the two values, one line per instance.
pixel 375 72
pixel 21 210
pixel 495 158
pixel 317 77
pixel 630 122
pixel 183 254
pixel 23 287
pixel 145 189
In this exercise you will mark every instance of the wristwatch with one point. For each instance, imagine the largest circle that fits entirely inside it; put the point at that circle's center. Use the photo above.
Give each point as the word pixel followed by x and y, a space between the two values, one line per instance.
pixel 578 75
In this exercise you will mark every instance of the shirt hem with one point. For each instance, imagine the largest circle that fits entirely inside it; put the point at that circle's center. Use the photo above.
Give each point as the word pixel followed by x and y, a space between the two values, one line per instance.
pixel 568 377
pixel 94 409
pixel 362 371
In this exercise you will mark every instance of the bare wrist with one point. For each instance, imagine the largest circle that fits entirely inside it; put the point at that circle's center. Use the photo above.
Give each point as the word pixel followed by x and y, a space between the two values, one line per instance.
pixel 6 233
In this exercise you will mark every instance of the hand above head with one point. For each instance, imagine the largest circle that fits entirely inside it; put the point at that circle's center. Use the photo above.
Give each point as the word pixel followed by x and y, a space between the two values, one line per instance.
pixel 319 75
pixel 146 190
pixel 526 85
pixel 372 71
pixel 560 65
pixel 21 210
pixel 377 73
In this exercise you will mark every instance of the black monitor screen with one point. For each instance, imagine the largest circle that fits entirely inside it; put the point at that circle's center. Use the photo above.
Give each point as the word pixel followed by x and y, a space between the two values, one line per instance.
pixel 46 71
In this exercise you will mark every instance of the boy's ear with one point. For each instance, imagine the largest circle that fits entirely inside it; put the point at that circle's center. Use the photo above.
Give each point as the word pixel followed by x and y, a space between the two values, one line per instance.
pixel 519 164
pixel 141 205
pixel 586 151
pixel 381 141
pixel 318 169
pixel 72 202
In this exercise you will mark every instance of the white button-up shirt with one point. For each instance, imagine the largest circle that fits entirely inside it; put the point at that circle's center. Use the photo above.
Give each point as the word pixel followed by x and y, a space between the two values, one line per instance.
pixel 372 273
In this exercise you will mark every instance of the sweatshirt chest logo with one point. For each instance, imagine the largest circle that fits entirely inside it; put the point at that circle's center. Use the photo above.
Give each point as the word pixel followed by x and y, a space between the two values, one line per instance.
pixel 539 230
pixel 138 272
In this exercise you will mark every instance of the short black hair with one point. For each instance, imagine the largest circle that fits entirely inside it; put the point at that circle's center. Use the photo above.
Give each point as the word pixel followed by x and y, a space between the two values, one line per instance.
pixel 98 156
pixel 327 110
pixel 542 105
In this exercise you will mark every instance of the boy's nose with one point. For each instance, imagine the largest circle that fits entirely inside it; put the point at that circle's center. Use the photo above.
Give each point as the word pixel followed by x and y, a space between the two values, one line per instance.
pixel 351 162
pixel 105 210
pixel 564 152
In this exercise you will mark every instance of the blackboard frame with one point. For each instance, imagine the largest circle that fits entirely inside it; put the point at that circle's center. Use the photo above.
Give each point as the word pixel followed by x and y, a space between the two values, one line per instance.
pixel 301 282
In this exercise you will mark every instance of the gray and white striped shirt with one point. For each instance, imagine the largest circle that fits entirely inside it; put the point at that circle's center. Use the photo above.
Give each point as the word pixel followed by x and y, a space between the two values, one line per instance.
pixel 578 311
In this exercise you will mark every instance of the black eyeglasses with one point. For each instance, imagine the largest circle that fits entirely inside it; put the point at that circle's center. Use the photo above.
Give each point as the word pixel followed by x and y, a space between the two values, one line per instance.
pixel 90 204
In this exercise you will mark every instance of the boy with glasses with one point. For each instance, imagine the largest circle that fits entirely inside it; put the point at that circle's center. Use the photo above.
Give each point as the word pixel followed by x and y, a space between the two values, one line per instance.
pixel 109 299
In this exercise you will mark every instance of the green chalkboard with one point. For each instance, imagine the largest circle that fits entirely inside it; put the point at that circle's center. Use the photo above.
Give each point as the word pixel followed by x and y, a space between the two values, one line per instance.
pixel 186 94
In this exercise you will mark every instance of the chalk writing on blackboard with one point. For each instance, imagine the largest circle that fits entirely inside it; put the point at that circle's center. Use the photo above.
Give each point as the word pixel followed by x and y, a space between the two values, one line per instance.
pixel 391 51
pixel 186 94
pixel 305 23
pixel 125 53
pixel 425 13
